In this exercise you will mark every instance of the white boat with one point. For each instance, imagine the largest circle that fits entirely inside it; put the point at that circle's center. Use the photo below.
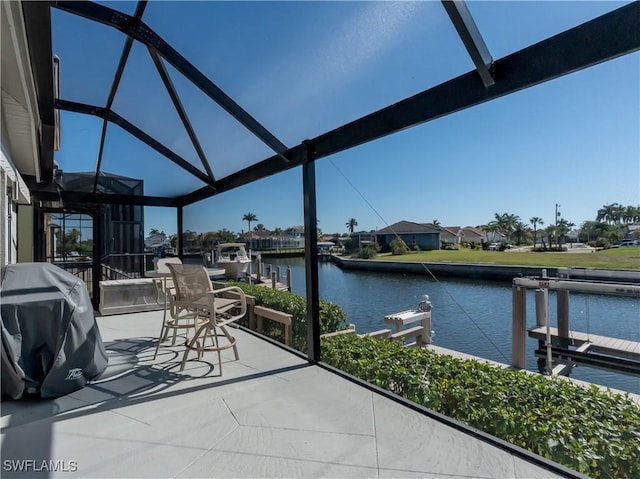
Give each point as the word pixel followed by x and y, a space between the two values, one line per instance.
pixel 233 258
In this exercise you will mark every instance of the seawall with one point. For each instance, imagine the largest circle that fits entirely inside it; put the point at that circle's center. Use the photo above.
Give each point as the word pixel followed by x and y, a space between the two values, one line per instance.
pixel 485 271
pixel 282 254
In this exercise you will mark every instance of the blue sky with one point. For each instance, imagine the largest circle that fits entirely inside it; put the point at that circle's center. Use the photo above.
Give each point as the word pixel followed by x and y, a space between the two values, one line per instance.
pixel 304 68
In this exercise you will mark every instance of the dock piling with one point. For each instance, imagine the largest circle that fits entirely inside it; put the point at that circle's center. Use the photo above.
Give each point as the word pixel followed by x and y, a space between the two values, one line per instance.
pixel 542 321
pixel 562 298
pixel 519 326
pixel 259 267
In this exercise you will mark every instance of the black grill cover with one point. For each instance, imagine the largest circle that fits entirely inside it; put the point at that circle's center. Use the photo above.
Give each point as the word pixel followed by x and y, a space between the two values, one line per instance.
pixel 51 344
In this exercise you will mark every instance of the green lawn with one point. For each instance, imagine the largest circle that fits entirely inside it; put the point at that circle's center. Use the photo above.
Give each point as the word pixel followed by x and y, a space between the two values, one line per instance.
pixel 617 258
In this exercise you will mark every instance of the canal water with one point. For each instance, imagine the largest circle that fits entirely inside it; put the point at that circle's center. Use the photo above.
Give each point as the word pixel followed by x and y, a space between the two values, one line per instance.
pixel 473 317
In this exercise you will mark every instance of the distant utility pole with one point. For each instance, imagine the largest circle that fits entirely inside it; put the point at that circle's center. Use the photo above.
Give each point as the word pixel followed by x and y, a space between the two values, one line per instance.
pixel 556 230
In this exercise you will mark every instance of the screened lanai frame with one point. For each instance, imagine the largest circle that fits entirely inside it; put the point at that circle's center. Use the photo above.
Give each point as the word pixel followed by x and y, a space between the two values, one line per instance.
pixel 601 39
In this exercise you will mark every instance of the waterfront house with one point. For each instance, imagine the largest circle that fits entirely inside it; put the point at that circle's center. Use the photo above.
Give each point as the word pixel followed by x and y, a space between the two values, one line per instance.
pixel 426 236
pixel 331 238
pixel 458 235
pixel 494 236
pixel 260 240
pixel 471 234
pixel 451 234
pixel 265 240
pixel 632 231
pixel 295 231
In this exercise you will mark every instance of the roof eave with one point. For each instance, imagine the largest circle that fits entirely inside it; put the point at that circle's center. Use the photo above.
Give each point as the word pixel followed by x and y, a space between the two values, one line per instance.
pixel 37 22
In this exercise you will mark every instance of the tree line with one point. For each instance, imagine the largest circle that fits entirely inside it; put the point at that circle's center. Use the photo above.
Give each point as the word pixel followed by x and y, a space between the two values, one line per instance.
pixel 609 227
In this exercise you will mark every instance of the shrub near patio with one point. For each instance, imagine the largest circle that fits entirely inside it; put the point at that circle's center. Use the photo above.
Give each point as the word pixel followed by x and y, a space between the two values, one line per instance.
pixel 588 430
pixel 332 317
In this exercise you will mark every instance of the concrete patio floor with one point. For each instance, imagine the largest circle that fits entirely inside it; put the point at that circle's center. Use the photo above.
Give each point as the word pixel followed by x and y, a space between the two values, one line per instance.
pixel 271 414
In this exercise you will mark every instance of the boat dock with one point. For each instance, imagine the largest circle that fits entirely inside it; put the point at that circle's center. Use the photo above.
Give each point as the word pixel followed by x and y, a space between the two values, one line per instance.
pixel 269 276
pixel 268 282
pixel 325 256
pixel 601 344
pixel 604 352
pixel 591 350
pixel 554 353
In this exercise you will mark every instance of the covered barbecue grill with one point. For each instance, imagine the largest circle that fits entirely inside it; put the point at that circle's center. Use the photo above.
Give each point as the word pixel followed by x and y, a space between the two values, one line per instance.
pixel 51 344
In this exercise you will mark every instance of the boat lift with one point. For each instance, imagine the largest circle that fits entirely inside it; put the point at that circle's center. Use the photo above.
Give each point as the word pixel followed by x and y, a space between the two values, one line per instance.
pixel 556 343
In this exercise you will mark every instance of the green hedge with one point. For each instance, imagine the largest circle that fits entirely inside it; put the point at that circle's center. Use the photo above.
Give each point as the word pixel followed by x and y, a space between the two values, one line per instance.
pixel 593 432
pixel 332 317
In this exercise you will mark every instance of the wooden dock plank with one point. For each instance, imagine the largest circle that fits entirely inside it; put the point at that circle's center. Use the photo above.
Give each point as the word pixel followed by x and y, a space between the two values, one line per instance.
pixel 619 344
pixel 266 282
pixel 629 345
pixel 624 345
pixel 603 344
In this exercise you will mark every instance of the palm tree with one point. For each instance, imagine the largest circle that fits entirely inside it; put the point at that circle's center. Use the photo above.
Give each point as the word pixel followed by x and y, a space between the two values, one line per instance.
pixel 618 213
pixel 208 240
pixel 249 217
pixel 519 229
pixel 68 241
pixel 505 223
pixel 550 231
pixel 351 224
pixel 226 236
pixel 610 213
pixel 631 214
pixel 190 239
pixel 436 223
pixel 564 226
pixel 535 221
pixel 491 229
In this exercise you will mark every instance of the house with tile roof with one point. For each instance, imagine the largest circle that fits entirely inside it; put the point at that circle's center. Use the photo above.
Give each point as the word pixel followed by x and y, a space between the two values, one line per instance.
pixel 467 234
pixel 471 234
pixel 265 240
pixel 424 235
pixel 451 234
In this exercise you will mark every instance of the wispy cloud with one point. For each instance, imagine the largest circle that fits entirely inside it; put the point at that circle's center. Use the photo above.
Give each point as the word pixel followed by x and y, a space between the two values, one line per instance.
pixel 360 40
pixel 329 64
